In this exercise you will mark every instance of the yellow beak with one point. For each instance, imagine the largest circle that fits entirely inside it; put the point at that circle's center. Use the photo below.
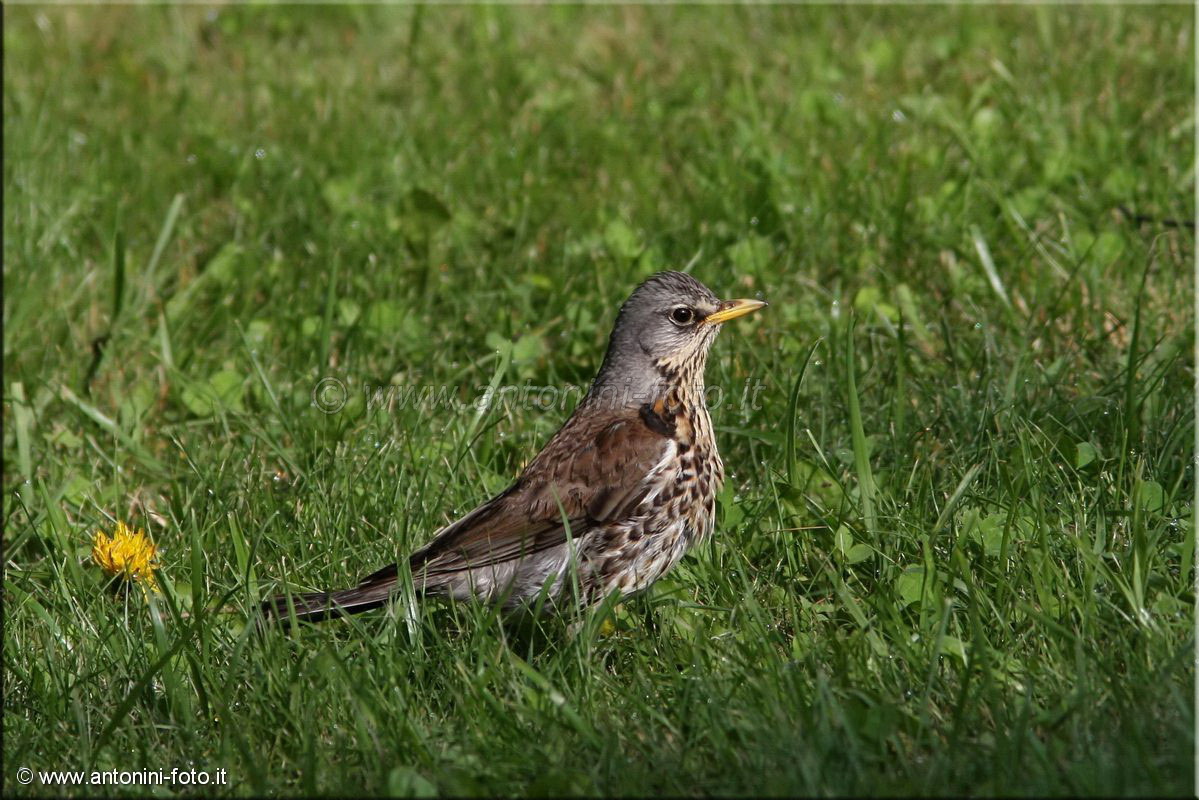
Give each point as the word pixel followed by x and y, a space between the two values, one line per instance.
pixel 731 309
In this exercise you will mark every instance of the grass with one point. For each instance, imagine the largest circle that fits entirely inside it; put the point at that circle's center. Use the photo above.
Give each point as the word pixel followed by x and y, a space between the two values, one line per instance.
pixel 956 547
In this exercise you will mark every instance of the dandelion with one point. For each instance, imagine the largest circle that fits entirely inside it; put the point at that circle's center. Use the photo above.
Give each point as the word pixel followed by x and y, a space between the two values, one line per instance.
pixel 128 554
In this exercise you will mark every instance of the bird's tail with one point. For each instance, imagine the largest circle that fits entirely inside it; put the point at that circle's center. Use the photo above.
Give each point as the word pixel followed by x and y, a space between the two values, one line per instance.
pixel 374 591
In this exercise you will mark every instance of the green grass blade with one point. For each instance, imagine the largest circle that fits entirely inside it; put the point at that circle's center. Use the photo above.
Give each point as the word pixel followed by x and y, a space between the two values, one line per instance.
pixel 861 454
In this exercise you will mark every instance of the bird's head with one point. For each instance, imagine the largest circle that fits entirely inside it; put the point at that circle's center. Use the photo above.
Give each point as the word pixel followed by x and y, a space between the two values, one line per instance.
pixel 664 331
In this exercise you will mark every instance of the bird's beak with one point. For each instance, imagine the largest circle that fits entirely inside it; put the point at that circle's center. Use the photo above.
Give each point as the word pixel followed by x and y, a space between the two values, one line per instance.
pixel 731 309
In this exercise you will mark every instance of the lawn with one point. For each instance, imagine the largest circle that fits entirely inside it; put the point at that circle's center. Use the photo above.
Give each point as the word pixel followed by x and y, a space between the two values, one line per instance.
pixel 955 551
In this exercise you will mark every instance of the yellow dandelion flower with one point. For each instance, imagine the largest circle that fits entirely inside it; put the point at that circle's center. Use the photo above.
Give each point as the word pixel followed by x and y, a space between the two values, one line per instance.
pixel 128 554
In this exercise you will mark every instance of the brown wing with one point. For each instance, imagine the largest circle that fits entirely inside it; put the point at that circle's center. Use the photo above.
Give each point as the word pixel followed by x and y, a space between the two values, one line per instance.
pixel 589 473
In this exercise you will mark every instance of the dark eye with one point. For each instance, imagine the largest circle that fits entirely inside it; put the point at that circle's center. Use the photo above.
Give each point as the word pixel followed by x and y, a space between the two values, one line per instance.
pixel 682 316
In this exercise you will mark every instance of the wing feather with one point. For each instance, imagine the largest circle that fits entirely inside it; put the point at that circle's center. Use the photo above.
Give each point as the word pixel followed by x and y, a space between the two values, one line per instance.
pixel 589 475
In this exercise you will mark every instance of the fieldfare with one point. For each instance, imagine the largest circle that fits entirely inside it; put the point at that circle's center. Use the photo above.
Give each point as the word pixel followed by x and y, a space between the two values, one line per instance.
pixel 611 502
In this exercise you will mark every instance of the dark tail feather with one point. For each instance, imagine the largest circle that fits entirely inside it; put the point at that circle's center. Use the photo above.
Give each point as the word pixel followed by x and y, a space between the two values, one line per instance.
pixel 374 591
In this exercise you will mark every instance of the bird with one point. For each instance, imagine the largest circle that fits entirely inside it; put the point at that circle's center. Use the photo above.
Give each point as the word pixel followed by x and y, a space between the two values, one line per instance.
pixel 611 502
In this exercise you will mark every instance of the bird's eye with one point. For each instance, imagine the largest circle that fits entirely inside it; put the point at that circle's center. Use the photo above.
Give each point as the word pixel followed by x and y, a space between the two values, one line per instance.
pixel 682 316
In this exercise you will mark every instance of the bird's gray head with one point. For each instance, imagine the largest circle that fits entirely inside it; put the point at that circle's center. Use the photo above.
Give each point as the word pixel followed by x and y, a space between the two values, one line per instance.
pixel 662 337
